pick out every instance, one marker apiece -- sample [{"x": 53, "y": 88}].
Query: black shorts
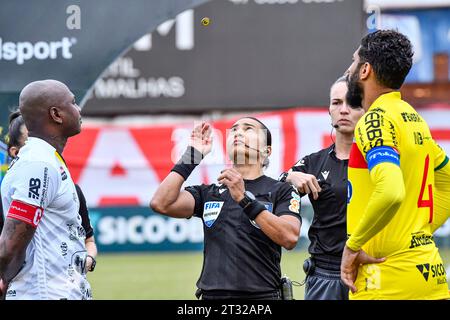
[{"x": 323, "y": 284}]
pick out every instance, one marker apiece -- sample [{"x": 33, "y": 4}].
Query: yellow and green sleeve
[{"x": 441, "y": 194}]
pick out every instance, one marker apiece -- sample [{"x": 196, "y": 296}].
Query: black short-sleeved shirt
[
  {"x": 238, "y": 256},
  {"x": 84, "y": 213},
  {"x": 328, "y": 230}
]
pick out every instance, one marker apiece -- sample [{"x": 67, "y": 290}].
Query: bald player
[{"x": 42, "y": 248}]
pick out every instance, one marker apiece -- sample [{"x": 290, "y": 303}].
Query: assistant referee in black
[
  {"x": 323, "y": 176},
  {"x": 247, "y": 217}
]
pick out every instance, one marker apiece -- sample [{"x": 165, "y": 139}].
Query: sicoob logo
[{"x": 437, "y": 270}]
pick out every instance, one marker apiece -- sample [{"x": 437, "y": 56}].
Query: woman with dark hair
[{"x": 323, "y": 176}]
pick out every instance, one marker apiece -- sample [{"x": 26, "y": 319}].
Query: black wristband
[
  {"x": 253, "y": 209},
  {"x": 189, "y": 160}
]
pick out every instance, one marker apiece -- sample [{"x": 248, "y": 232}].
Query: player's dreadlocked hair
[{"x": 390, "y": 54}]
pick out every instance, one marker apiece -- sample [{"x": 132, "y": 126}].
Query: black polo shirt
[
  {"x": 328, "y": 230},
  {"x": 238, "y": 256}
]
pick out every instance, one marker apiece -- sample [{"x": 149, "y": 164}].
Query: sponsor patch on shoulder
[
  {"x": 211, "y": 210},
  {"x": 294, "y": 205},
  {"x": 295, "y": 195}
]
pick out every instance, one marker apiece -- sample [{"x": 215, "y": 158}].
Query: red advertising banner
[{"x": 123, "y": 165}]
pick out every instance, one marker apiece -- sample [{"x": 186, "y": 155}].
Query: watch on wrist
[
  {"x": 283, "y": 176},
  {"x": 248, "y": 198},
  {"x": 94, "y": 262}
]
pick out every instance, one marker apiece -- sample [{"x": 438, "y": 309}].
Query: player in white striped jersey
[{"x": 42, "y": 249}]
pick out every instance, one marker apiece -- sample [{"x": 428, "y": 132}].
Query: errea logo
[{"x": 41, "y": 50}]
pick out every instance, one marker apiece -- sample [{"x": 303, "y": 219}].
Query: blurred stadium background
[{"x": 273, "y": 58}]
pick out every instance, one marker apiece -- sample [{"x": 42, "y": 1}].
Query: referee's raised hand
[{"x": 201, "y": 138}]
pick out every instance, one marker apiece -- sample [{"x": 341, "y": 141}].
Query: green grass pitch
[{"x": 172, "y": 275}]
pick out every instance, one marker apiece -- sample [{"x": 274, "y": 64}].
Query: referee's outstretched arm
[{"x": 169, "y": 199}]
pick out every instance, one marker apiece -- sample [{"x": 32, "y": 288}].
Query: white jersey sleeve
[{"x": 34, "y": 187}]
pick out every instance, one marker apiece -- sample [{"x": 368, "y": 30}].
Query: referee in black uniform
[
  {"x": 323, "y": 176},
  {"x": 247, "y": 217}
]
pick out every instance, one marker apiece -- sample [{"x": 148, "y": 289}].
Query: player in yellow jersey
[{"x": 399, "y": 182}]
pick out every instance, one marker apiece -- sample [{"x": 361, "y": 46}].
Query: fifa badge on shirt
[{"x": 211, "y": 211}]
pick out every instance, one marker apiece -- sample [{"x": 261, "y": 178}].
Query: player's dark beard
[{"x": 355, "y": 92}]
